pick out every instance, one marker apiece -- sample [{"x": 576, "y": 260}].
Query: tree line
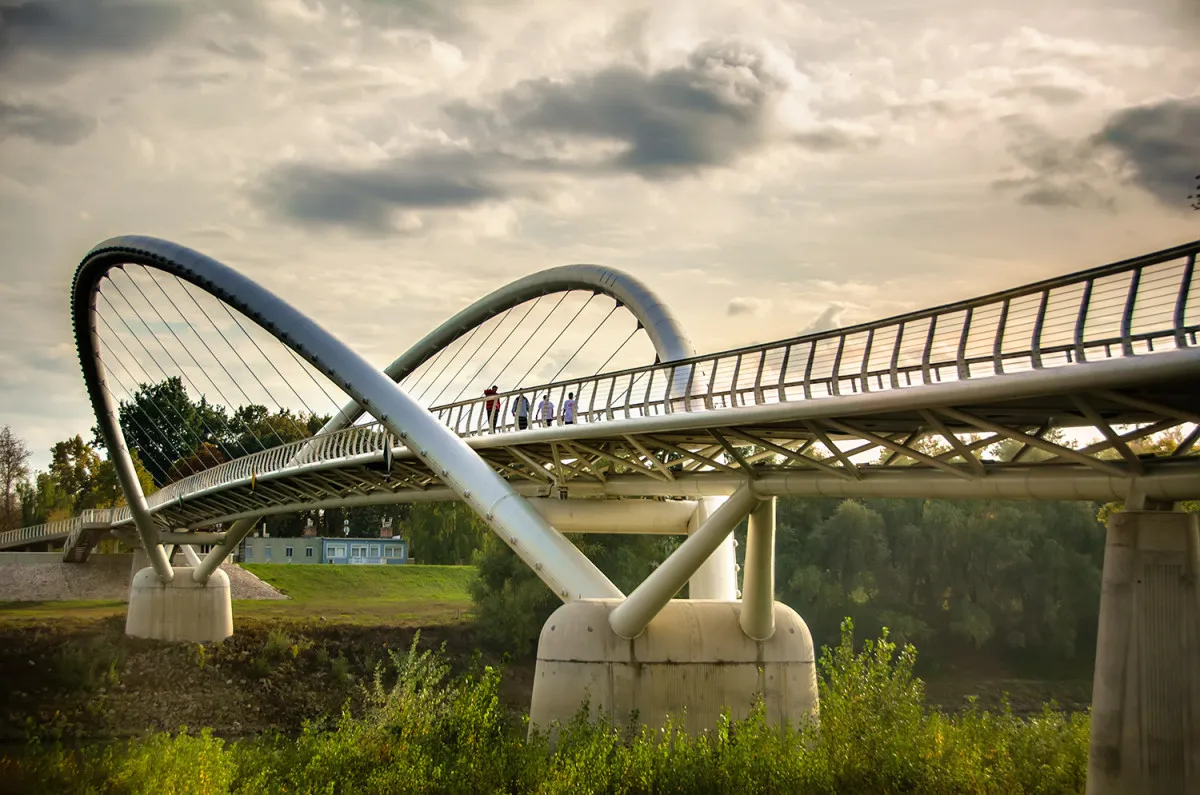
[{"x": 1019, "y": 577}]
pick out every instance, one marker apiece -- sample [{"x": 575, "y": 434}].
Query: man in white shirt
[
  {"x": 568, "y": 407},
  {"x": 545, "y": 411}
]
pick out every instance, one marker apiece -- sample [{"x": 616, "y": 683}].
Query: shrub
[{"x": 427, "y": 732}]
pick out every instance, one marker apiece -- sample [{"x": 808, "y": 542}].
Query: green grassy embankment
[{"x": 363, "y": 594}]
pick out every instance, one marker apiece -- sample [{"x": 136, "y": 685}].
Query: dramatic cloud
[
  {"x": 1154, "y": 146},
  {"x": 718, "y": 106},
  {"x": 71, "y": 29},
  {"x": 45, "y": 125},
  {"x": 1053, "y": 172},
  {"x": 367, "y": 198},
  {"x": 1160, "y": 142}
]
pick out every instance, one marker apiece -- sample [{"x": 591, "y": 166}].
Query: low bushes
[{"x": 427, "y": 732}]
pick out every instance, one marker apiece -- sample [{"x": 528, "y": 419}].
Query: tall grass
[{"x": 426, "y": 732}]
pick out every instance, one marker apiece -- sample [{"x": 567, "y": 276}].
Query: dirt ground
[{"x": 84, "y": 679}]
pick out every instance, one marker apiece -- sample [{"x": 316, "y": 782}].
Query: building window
[
  {"x": 308, "y": 552},
  {"x": 287, "y": 552},
  {"x": 358, "y": 550},
  {"x": 391, "y": 551},
  {"x": 374, "y": 550},
  {"x": 337, "y": 550},
  {"x": 267, "y": 553},
  {"x": 249, "y": 553}
]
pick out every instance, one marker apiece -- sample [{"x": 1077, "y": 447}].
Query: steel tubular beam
[
  {"x": 635, "y": 517},
  {"x": 758, "y": 581},
  {"x": 630, "y": 617},
  {"x": 556, "y": 561}
]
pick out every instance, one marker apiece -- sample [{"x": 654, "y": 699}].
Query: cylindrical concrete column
[
  {"x": 758, "y": 579},
  {"x": 1146, "y": 690},
  {"x": 717, "y": 576}
]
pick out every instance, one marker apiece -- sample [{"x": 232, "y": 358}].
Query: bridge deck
[{"x": 1113, "y": 349}]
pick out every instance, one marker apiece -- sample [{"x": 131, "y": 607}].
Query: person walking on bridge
[
  {"x": 492, "y": 406},
  {"x": 546, "y": 411},
  {"x": 520, "y": 410},
  {"x": 568, "y": 409}
]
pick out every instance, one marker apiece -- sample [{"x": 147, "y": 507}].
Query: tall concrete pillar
[
  {"x": 717, "y": 577},
  {"x": 1146, "y": 693}
]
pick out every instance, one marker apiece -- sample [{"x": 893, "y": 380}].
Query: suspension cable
[
  {"x": 450, "y": 361},
  {"x": 236, "y": 353},
  {"x": 229, "y": 405},
  {"x": 521, "y": 347},
  {"x": 584, "y": 343},
  {"x": 554, "y": 341},
  {"x": 236, "y": 384},
  {"x": 511, "y": 332},
  {"x": 182, "y": 372}
]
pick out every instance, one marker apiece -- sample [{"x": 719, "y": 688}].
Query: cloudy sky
[{"x": 764, "y": 166}]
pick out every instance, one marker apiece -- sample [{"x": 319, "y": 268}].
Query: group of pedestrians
[{"x": 520, "y": 410}]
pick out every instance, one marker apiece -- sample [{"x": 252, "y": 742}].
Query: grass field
[{"x": 363, "y": 595}]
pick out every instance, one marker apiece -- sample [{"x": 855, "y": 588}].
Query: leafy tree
[
  {"x": 164, "y": 425},
  {"x": 512, "y": 603},
  {"x": 14, "y": 468}
]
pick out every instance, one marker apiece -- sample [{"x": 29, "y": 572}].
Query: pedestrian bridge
[
  {"x": 849, "y": 412},
  {"x": 1050, "y": 390}
]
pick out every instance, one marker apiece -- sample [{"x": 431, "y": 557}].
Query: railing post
[
  {"x": 1185, "y": 288},
  {"x": 1127, "y": 315},
  {"x": 964, "y": 370},
  {"x": 1035, "y": 343},
  {"x": 865, "y": 376},
  {"x": 895, "y": 368}
]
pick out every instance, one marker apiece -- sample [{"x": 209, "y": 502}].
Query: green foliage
[
  {"x": 1013, "y": 577},
  {"x": 511, "y": 603},
  {"x": 426, "y": 732}
]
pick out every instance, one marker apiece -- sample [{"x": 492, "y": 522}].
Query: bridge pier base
[
  {"x": 692, "y": 661},
  {"x": 182, "y": 609},
  {"x": 1146, "y": 692}
]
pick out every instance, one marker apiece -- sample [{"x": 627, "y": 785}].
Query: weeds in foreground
[{"x": 426, "y": 732}]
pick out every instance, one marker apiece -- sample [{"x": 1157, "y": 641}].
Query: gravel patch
[{"x": 102, "y": 577}]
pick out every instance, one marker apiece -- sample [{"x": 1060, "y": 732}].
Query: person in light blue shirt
[
  {"x": 546, "y": 411},
  {"x": 568, "y": 409}
]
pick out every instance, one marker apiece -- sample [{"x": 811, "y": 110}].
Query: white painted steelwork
[
  {"x": 758, "y": 584},
  {"x": 566, "y": 570},
  {"x": 1130, "y": 323},
  {"x": 665, "y": 333},
  {"x": 630, "y": 517},
  {"x": 629, "y": 618}
]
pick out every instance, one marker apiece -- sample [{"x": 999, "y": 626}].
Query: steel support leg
[
  {"x": 758, "y": 583},
  {"x": 233, "y": 536},
  {"x": 631, "y": 617}
]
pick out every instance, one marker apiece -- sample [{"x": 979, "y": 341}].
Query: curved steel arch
[
  {"x": 559, "y": 563},
  {"x": 665, "y": 332}
]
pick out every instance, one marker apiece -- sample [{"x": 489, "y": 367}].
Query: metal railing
[
  {"x": 63, "y": 528},
  {"x": 1130, "y": 308}
]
